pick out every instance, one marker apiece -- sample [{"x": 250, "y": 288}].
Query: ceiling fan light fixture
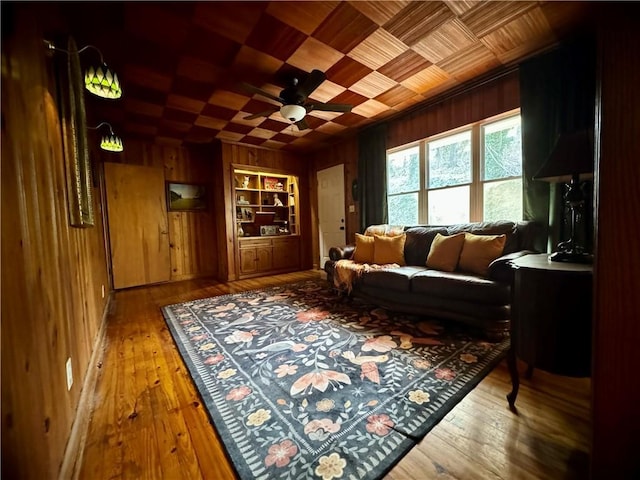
[{"x": 293, "y": 113}]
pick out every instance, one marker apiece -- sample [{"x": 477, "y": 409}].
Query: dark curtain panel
[
  {"x": 557, "y": 95},
  {"x": 372, "y": 176}
]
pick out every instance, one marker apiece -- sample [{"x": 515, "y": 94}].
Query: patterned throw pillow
[
  {"x": 479, "y": 251},
  {"x": 389, "y": 249},
  {"x": 445, "y": 252},
  {"x": 364, "y": 249}
]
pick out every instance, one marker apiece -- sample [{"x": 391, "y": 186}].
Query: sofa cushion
[
  {"x": 458, "y": 285},
  {"x": 397, "y": 279},
  {"x": 418, "y": 243},
  {"x": 388, "y": 249},
  {"x": 445, "y": 252},
  {"x": 364, "y": 249},
  {"x": 478, "y": 251}
]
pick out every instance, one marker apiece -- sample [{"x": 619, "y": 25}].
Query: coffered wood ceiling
[{"x": 181, "y": 63}]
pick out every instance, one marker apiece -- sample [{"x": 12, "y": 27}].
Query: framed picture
[
  {"x": 74, "y": 140},
  {"x": 186, "y": 197},
  {"x": 271, "y": 183},
  {"x": 247, "y": 214}
]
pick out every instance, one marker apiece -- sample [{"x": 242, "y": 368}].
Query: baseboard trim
[{"x": 73, "y": 454}]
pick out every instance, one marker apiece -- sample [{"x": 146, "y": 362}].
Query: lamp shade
[
  {"x": 571, "y": 155},
  {"x": 112, "y": 143},
  {"x": 101, "y": 81},
  {"x": 293, "y": 113}
]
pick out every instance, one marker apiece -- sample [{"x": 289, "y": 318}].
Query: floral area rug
[{"x": 301, "y": 383}]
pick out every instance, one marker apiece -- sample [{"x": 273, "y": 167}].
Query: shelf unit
[
  {"x": 256, "y": 193},
  {"x": 276, "y": 246}
]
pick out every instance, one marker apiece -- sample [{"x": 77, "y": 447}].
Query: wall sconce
[
  {"x": 98, "y": 79},
  {"x": 111, "y": 142}
]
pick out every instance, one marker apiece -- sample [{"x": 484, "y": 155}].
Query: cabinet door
[
  {"x": 286, "y": 253},
  {"x": 248, "y": 260},
  {"x": 264, "y": 258}
]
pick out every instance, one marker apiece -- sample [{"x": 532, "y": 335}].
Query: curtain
[
  {"x": 557, "y": 95},
  {"x": 372, "y": 176}
]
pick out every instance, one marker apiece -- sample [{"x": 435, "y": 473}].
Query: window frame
[{"x": 476, "y": 186}]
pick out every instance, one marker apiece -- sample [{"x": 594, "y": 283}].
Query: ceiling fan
[{"x": 294, "y": 100}]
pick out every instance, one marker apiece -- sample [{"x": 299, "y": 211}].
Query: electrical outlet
[
  {"x": 69, "y": 374},
  {"x": 102, "y": 291},
  {"x": 352, "y": 209}
]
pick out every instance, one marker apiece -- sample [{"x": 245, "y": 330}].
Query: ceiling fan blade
[
  {"x": 302, "y": 124},
  {"x": 266, "y": 113},
  {"x": 259, "y": 91},
  {"x": 313, "y": 81},
  {"x": 329, "y": 107}
]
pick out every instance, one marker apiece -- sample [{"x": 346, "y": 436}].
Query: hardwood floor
[{"x": 147, "y": 420}]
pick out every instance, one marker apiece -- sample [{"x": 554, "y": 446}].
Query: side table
[{"x": 550, "y": 318}]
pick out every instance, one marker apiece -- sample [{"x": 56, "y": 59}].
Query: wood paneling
[
  {"x": 488, "y": 99},
  {"x": 264, "y": 159},
  {"x": 52, "y": 274},
  {"x": 192, "y": 235},
  {"x": 616, "y": 390}
]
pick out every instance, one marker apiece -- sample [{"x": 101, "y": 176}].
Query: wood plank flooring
[{"x": 147, "y": 420}]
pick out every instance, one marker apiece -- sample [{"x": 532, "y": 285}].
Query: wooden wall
[
  {"x": 52, "y": 274},
  {"x": 456, "y": 109},
  {"x": 192, "y": 235},
  {"x": 616, "y": 388},
  {"x": 293, "y": 164}
]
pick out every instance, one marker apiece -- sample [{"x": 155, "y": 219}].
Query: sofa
[{"x": 478, "y": 297}]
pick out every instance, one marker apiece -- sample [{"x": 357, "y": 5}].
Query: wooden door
[
  {"x": 138, "y": 227},
  {"x": 330, "y": 210}
]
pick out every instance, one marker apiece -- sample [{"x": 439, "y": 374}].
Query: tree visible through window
[
  {"x": 450, "y": 191},
  {"x": 403, "y": 185}
]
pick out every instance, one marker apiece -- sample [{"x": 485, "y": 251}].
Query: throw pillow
[
  {"x": 445, "y": 251},
  {"x": 479, "y": 251},
  {"x": 389, "y": 249},
  {"x": 364, "y": 249}
]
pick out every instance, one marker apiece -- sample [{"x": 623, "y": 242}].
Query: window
[
  {"x": 502, "y": 170},
  {"x": 403, "y": 186},
  {"x": 470, "y": 174},
  {"x": 449, "y": 166}
]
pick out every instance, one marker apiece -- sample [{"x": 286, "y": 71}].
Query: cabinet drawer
[{"x": 253, "y": 242}]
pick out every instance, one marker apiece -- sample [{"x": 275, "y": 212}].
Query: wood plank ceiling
[{"x": 181, "y": 64}]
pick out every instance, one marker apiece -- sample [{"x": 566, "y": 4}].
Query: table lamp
[{"x": 570, "y": 162}]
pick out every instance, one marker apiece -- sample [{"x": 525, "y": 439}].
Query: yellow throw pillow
[
  {"x": 364, "y": 249},
  {"x": 445, "y": 251},
  {"x": 389, "y": 249},
  {"x": 479, "y": 251}
]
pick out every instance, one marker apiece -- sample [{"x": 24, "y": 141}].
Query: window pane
[
  {"x": 403, "y": 209},
  {"x": 449, "y": 205},
  {"x": 403, "y": 171},
  {"x": 502, "y": 149},
  {"x": 450, "y": 160},
  {"x": 503, "y": 200}
]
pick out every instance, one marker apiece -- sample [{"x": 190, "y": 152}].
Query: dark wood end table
[{"x": 550, "y": 318}]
